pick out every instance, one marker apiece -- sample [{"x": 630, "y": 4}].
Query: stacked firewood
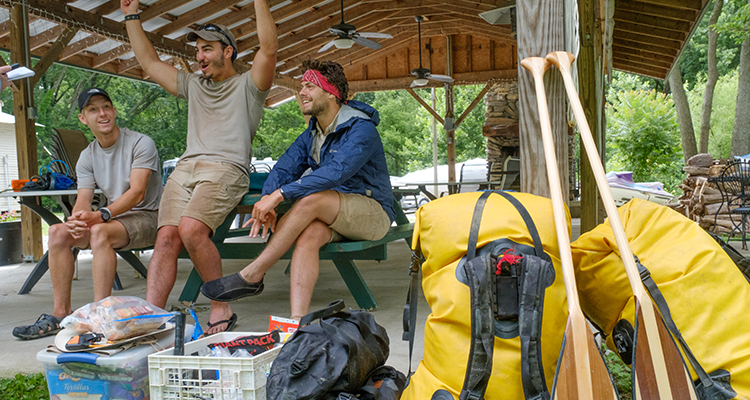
[
  {"x": 501, "y": 125},
  {"x": 701, "y": 200}
]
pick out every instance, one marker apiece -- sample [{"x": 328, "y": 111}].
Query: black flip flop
[{"x": 230, "y": 323}]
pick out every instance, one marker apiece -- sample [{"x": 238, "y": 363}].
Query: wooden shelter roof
[{"x": 648, "y": 36}]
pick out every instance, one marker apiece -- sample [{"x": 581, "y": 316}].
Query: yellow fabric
[
  {"x": 708, "y": 296},
  {"x": 442, "y": 232}
]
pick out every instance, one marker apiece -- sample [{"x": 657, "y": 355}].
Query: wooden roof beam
[
  {"x": 106, "y": 57},
  {"x": 81, "y": 45},
  {"x": 651, "y": 21},
  {"x": 650, "y": 31},
  {"x": 195, "y": 15},
  {"x": 279, "y": 14},
  {"x": 618, "y": 49},
  {"x": 322, "y": 14},
  {"x": 646, "y": 62},
  {"x": 638, "y": 7},
  {"x": 402, "y": 83},
  {"x": 105, "y": 26},
  {"x": 50, "y": 55},
  {"x": 651, "y": 72},
  {"x": 106, "y": 8},
  {"x": 655, "y": 49},
  {"x": 694, "y": 5},
  {"x": 277, "y": 95},
  {"x": 637, "y": 37},
  {"x": 48, "y": 36}
]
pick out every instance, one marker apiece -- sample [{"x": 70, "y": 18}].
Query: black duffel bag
[{"x": 335, "y": 355}]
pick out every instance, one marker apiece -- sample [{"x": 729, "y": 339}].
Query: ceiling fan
[
  {"x": 346, "y": 35},
  {"x": 423, "y": 74}
]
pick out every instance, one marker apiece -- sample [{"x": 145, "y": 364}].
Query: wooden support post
[
  {"x": 425, "y": 105},
  {"x": 23, "y": 108},
  {"x": 450, "y": 126},
  {"x": 450, "y": 135},
  {"x": 540, "y": 31},
  {"x": 591, "y": 93},
  {"x": 474, "y": 103}
]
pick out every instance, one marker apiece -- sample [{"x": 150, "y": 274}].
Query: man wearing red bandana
[{"x": 346, "y": 195}]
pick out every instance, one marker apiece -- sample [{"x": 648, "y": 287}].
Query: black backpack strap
[
  {"x": 412, "y": 301},
  {"x": 538, "y": 249},
  {"x": 666, "y": 315},
  {"x": 332, "y": 308},
  {"x": 534, "y": 275},
  {"x": 476, "y": 219},
  {"x": 479, "y": 367}
]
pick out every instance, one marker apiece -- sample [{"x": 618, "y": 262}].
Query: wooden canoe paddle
[
  {"x": 659, "y": 372},
  {"x": 582, "y": 373}
]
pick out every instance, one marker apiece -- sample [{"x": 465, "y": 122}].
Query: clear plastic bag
[{"x": 118, "y": 317}]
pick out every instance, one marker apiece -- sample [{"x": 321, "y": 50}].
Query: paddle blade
[
  {"x": 658, "y": 370},
  {"x": 596, "y": 383}
]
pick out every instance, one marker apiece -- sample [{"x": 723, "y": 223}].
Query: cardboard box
[
  {"x": 84, "y": 375},
  {"x": 285, "y": 325}
]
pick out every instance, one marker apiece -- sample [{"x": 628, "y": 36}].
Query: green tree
[
  {"x": 643, "y": 137},
  {"x": 723, "y": 112}
]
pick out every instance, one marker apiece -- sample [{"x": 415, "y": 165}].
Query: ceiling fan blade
[
  {"x": 413, "y": 84},
  {"x": 326, "y": 47},
  {"x": 366, "y": 42},
  {"x": 375, "y": 35},
  {"x": 339, "y": 32},
  {"x": 439, "y": 78}
]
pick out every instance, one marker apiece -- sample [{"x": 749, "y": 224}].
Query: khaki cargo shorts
[
  {"x": 141, "y": 226},
  {"x": 203, "y": 190},
  {"x": 359, "y": 218}
]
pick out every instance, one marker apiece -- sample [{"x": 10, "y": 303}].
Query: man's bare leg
[
  {"x": 62, "y": 266},
  {"x": 105, "y": 238},
  {"x": 305, "y": 266},
  {"x": 322, "y": 206},
  {"x": 162, "y": 270},
  {"x": 197, "y": 239}
]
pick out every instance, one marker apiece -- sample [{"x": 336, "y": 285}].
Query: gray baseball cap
[
  {"x": 214, "y": 33},
  {"x": 85, "y": 96}
]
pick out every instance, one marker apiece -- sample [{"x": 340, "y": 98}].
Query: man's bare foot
[{"x": 222, "y": 319}]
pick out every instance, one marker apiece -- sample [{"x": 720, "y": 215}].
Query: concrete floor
[{"x": 388, "y": 280}]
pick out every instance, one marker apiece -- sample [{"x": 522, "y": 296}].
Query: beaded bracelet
[{"x": 132, "y": 17}]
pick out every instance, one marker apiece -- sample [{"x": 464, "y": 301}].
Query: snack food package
[{"x": 117, "y": 317}]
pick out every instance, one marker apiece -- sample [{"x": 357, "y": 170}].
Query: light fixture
[
  {"x": 421, "y": 81},
  {"x": 505, "y": 15},
  {"x": 343, "y": 43}
]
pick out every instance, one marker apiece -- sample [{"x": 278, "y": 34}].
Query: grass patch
[
  {"x": 620, "y": 373},
  {"x": 24, "y": 387}
]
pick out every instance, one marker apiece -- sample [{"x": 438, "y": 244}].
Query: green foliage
[
  {"x": 24, "y": 387},
  {"x": 405, "y": 127},
  {"x": 643, "y": 136},
  {"x": 722, "y": 113},
  {"x": 694, "y": 59},
  {"x": 621, "y": 374},
  {"x": 277, "y": 130},
  {"x": 737, "y": 22}
]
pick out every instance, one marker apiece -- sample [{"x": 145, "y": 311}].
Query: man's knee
[
  {"x": 318, "y": 199},
  {"x": 314, "y": 236},
  {"x": 59, "y": 236},
  {"x": 100, "y": 236},
  {"x": 191, "y": 231},
  {"x": 168, "y": 237}
]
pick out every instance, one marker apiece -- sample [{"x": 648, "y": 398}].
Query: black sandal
[{"x": 45, "y": 325}]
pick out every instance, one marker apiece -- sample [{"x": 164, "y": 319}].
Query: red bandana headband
[{"x": 317, "y": 79}]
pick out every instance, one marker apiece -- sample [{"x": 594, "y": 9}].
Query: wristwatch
[
  {"x": 281, "y": 192},
  {"x": 106, "y": 214}
]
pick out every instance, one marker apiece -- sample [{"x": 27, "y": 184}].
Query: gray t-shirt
[
  {"x": 222, "y": 117},
  {"x": 109, "y": 168}
]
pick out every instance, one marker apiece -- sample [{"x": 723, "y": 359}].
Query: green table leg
[
  {"x": 356, "y": 284},
  {"x": 192, "y": 287}
]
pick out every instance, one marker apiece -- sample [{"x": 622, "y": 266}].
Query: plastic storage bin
[
  {"x": 83, "y": 375},
  {"x": 197, "y": 375}
]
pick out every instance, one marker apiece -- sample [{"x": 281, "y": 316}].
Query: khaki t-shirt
[
  {"x": 109, "y": 168},
  {"x": 222, "y": 117}
]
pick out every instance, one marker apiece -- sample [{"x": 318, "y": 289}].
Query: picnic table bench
[{"x": 343, "y": 254}]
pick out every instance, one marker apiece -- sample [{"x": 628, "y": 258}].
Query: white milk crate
[{"x": 203, "y": 377}]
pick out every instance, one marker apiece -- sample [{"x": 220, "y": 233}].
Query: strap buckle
[{"x": 416, "y": 257}]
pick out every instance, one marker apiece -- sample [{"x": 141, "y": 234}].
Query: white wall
[{"x": 8, "y": 147}]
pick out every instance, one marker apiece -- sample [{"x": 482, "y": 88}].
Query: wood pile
[
  {"x": 701, "y": 200},
  {"x": 501, "y": 125}
]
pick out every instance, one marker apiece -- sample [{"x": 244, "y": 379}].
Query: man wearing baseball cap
[
  {"x": 347, "y": 195},
  {"x": 124, "y": 164},
  {"x": 224, "y": 110}
]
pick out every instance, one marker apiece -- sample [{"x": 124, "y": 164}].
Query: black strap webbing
[
  {"x": 531, "y": 308},
  {"x": 538, "y": 249},
  {"x": 666, "y": 315},
  {"x": 476, "y": 220}
]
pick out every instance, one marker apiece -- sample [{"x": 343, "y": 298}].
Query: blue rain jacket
[{"x": 352, "y": 160}]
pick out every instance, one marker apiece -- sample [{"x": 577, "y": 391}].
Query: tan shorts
[
  {"x": 203, "y": 190},
  {"x": 359, "y": 218},
  {"x": 141, "y": 226}
]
